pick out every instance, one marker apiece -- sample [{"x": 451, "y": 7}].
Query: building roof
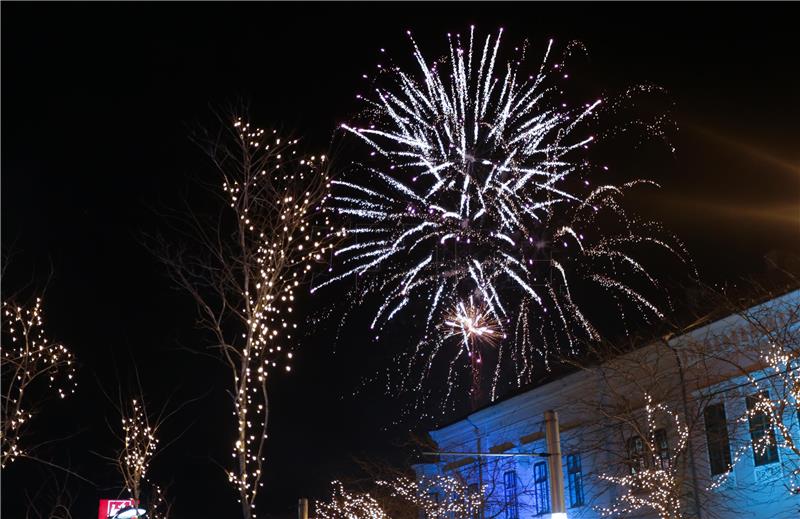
[{"x": 521, "y": 400}]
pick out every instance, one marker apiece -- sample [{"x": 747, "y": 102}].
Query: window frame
[
  {"x": 635, "y": 451},
  {"x": 577, "y": 497},
  {"x": 510, "y": 494},
  {"x": 662, "y": 455},
  {"x": 718, "y": 441},
  {"x": 761, "y": 424},
  {"x": 541, "y": 489}
]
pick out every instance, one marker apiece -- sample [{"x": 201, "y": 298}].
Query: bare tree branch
[{"x": 243, "y": 268}]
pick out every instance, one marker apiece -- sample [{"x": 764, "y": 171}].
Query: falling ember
[{"x": 476, "y": 183}]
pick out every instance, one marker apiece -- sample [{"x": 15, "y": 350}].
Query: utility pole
[
  {"x": 302, "y": 508},
  {"x": 481, "y": 510},
  {"x": 554, "y": 465}
]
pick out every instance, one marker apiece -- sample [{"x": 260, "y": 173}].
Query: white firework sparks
[
  {"x": 472, "y": 324},
  {"x": 479, "y": 186}
]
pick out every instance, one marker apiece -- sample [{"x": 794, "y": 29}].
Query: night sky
[{"x": 98, "y": 102}]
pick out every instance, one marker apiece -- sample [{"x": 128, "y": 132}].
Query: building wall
[{"x": 673, "y": 372}]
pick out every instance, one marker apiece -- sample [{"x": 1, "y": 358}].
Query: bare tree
[
  {"x": 654, "y": 483},
  {"x": 54, "y": 499},
  {"x": 437, "y": 497},
  {"x": 465, "y": 488},
  {"x": 641, "y": 426},
  {"x": 159, "y": 503},
  {"x": 763, "y": 357},
  {"x": 348, "y": 504},
  {"x": 138, "y": 446},
  {"x": 657, "y": 408},
  {"x": 137, "y": 438},
  {"x": 34, "y": 368},
  {"x": 243, "y": 269}
]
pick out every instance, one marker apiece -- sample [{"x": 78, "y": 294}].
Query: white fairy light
[
  {"x": 457, "y": 500},
  {"x": 652, "y": 487},
  {"x": 31, "y": 365},
  {"x": 279, "y": 202}
]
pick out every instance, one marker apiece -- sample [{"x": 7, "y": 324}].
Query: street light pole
[
  {"x": 552, "y": 435},
  {"x": 302, "y": 508}
]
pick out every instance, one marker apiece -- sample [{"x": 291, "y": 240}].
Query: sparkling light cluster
[
  {"x": 454, "y": 501},
  {"x": 780, "y": 401},
  {"x": 345, "y": 504},
  {"x": 653, "y": 488},
  {"x": 776, "y": 397},
  {"x": 478, "y": 187},
  {"x": 158, "y": 506},
  {"x": 32, "y": 365},
  {"x": 138, "y": 448}
]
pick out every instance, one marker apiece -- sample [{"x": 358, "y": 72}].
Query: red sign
[{"x": 109, "y": 507}]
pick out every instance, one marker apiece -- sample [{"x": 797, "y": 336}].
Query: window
[
  {"x": 765, "y": 448},
  {"x": 541, "y": 492},
  {"x": 661, "y": 447},
  {"x": 575, "y": 480},
  {"x": 719, "y": 447},
  {"x": 636, "y": 458},
  {"x": 510, "y": 485}
]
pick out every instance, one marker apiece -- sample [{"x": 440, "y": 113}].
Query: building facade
[{"x": 670, "y": 429}]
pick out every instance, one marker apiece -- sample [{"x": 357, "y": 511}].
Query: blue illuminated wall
[{"x": 716, "y": 403}]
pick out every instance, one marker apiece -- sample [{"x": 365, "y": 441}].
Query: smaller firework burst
[{"x": 473, "y": 322}]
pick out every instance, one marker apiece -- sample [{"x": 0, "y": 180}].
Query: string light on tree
[
  {"x": 32, "y": 368},
  {"x": 246, "y": 278},
  {"x": 348, "y": 505},
  {"x": 773, "y": 337},
  {"x": 457, "y": 501},
  {"x": 139, "y": 445},
  {"x": 654, "y": 484}
]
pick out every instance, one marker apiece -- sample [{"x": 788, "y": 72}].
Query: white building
[{"x": 699, "y": 389}]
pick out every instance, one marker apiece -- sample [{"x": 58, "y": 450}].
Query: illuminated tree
[
  {"x": 455, "y": 499},
  {"x": 139, "y": 445},
  {"x": 668, "y": 419},
  {"x": 244, "y": 267},
  {"x": 137, "y": 437},
  {"x": 642, "y": 426},
  {"x": 33, "y": 369},
  {"x": 475, "y": 488},
  {"x": 764, "y": 351},
  {"x": 345, "y": 504},
  {"x": 438, "y": 497},
  {"x": 653, "y": 484}
]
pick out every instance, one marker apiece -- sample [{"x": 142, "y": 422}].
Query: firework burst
[
  {"x": 479, "y": 187},
  {"x": 472, "y": 323},
  {"x": 475, "y": 327}
]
